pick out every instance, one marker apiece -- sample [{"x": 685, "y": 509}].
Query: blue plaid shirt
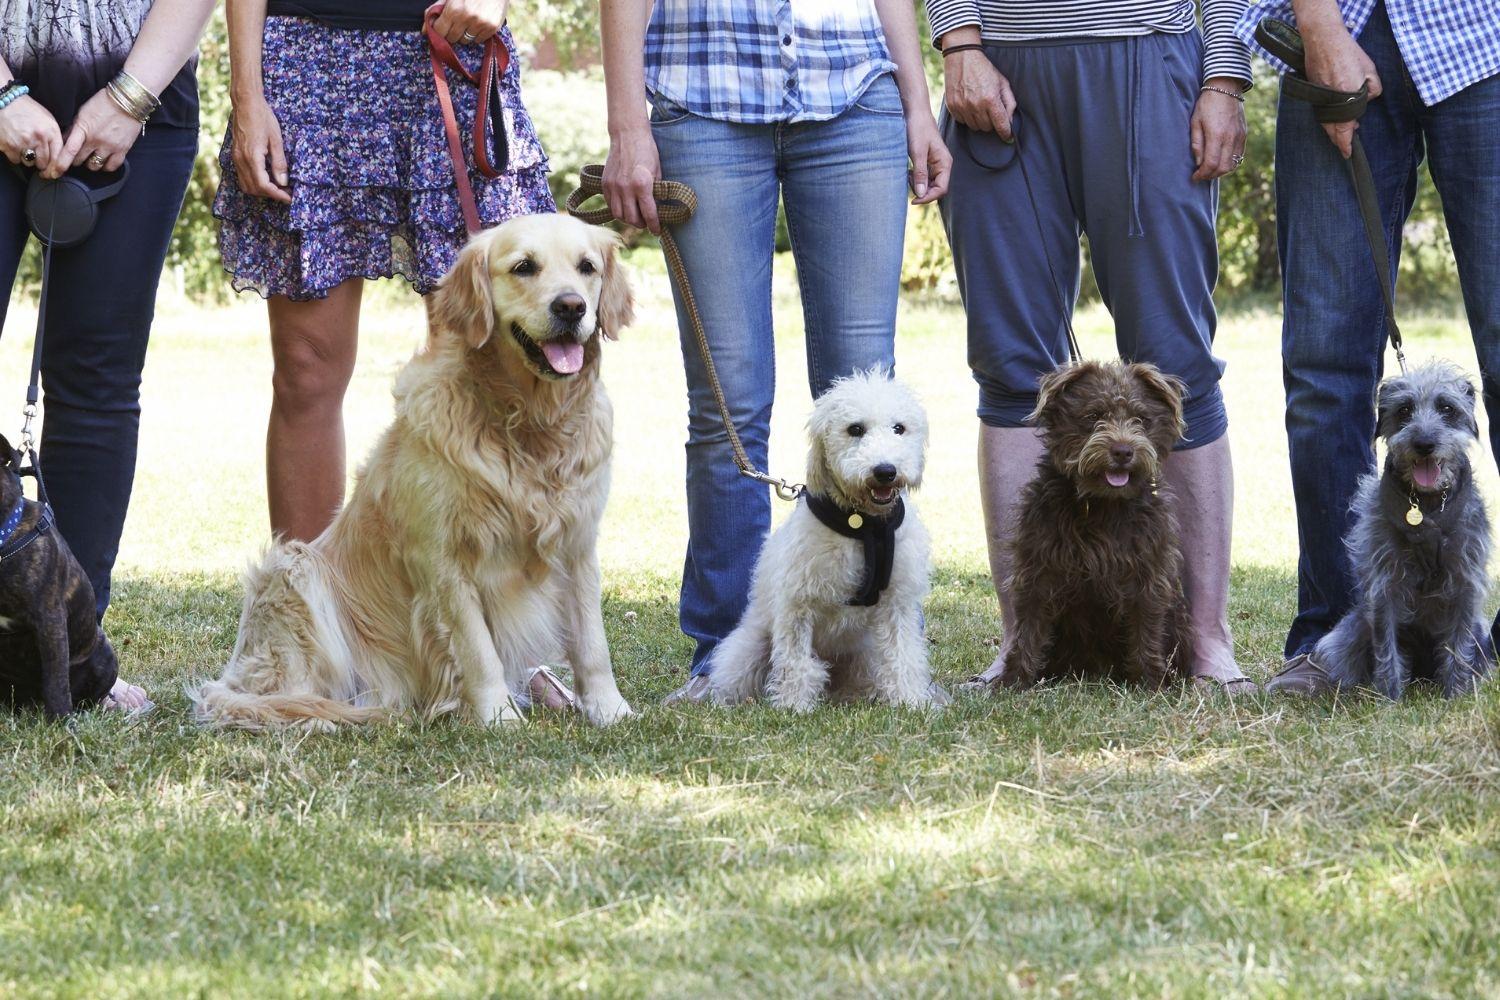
[
  {"x": 759, "y": 61},
  {"x": 1446, "y": 44}
]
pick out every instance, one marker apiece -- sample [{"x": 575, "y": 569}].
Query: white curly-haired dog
[{"x": 836, "y": 601}]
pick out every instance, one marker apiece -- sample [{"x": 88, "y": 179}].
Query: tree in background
[{"x": 568, "y": 108}]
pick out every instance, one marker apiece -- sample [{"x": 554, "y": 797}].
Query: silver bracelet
[{"x": 1221, "y": 90}]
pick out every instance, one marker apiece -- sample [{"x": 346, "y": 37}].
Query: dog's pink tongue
[
  {"x": 1117, "y": 477},
  {"x": 565, "y": 356},
  {"x": 1426, "y": 471}
]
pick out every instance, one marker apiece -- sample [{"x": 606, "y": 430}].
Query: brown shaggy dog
[
  {"x": 465, "y": 555},
  {"x": 1098, "y": 563}
]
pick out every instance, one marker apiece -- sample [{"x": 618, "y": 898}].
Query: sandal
[{"x": 548, "y": 691}]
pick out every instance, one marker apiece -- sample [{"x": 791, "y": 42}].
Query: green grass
[{"x": 1080, "y": 841}]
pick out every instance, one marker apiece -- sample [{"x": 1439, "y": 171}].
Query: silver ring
[
  {"x": 28, "y": 157},
  {"x": 469, "y": 37},
  {"x": 1239, "y": 158}
]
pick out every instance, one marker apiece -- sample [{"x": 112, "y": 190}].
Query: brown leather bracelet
[{"x": 965, "y": 47}]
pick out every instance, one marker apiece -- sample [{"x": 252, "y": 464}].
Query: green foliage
[{"x": 569, "y": 111}]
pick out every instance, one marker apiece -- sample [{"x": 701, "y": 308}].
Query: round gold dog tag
[
  {"x": 1414, "y": 516},
  {"x": 855, "y": 521}
]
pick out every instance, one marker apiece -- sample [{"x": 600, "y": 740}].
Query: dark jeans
[
  {"x": 1333, "y": 334},
  {"x": 99, "y": 313}
]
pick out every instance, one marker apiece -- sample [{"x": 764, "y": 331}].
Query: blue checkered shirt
[
  {"x": 1446, "y": 44},
  {"x": 760, "y": 61}
]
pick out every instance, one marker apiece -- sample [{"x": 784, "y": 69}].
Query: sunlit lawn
[{"x": 1072, "y": 842}]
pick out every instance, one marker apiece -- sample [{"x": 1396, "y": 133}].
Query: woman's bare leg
[{"x": 314, "y": 345}]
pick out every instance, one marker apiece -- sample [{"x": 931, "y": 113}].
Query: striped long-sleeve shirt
[{"x": 1022, "y": 20}]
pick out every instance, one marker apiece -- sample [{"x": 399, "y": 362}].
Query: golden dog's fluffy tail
[{"x": 217, "y": 704}]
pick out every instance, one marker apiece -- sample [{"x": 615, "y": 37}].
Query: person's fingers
[
  {"x": 646, "y": 202},
  {"x": 1197, "y": 143},
  {"x": 1372, "y": 80},
  {"x": 72, "y": 151},
  {"x": 919, "y": 174},
  {"x": 114, "y": 161},
  {"x": 280, "y": 173},
  {"x": 1342, "y": 134},
  {"x": 260, "y": 179},
  {"x": 446, "y": 23},
  {"x": 939, "y": 166}
]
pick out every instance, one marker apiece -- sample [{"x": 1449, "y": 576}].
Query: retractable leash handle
[
  {"x": 1329, "y": 107},
  {"x": 675, "y": 204},
  {"x": 61, "y": 213}
]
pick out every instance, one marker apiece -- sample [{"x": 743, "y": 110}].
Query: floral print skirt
[{"x": 371, "y": 179}]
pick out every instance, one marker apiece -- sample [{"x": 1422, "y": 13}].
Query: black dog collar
[{"x": 877, "y": 534}]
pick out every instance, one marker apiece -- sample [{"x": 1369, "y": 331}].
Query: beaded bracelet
[
  {"x": 1221, "y": 90},
  {"x": 12, "y": 93}
]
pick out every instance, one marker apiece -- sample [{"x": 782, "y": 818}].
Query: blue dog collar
[{"x": 13, "y": 522}]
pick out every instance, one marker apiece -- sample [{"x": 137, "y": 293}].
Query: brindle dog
[
  {"x": 1098, "y": 562},
  {"x": 52, "y": 650}
]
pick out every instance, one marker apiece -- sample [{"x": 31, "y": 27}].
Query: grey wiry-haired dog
[{"x": 1420, "y": 546}]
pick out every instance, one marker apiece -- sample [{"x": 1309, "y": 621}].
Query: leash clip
[{"x": 28, "y": 443}]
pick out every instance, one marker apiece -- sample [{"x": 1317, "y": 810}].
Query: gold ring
[
  {"x": 96, "y": 161},
  {"x": 28, "y": 157}
]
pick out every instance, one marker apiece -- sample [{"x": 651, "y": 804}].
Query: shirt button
[
  {"x": 786, "y": 39},
  {"x": 791, "y": 84}
]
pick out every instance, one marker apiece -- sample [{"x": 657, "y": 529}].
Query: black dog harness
[
  {"x": 877, "y": 534},
  {"x": 10, "y": 542}
]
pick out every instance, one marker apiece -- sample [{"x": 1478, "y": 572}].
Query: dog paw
[{"x": 607, "y": 711}]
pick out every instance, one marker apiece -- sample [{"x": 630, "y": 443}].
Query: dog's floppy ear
[
  {"x": 465, "y": 299},
  {"x": 616, "y": 299},
  {"x": 1471, "y": 421},
  {"x": 1052, "y": 387},
  {"x": 1389, "y": 395},
  {"x": 1167, "y": 389}
]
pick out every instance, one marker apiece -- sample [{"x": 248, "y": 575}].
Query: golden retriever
[{"x": 466, "y": 553}]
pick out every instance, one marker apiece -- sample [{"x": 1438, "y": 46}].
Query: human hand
[
  {"x": 471, "y": 22},
  {"x": 1218, "y": 130},
  {"x": 100, "y": 136},
  {"x": 259, "y": 157},
  {"x": 930, "y": 160},
  {"x": 632, "y": 168},
  {"x": 977, "y": 94},
  {"x": 26, "y": 125},
  {"x": 1335, "y": 60}
]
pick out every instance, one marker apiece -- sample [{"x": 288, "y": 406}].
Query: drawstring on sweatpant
[{"x": 1133, "y": 155}]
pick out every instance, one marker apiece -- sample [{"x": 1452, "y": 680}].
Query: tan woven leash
[{"x": 675, "y": 204}]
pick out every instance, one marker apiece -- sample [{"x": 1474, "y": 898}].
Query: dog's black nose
[
  {"x": 884, "y": 473},
  {"x": 1423, "y": 447},
  {"x": 1121, "y": 453},
  {"x": 569, "y": 307}
]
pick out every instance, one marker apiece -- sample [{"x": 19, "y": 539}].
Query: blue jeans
[
  {"x": 99, "y": 314},
  {"x": 844, "y": 185},
  {"x": 1333, "y": 333}
]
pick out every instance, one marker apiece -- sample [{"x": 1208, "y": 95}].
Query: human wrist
[{"x": 967, "y": 35}]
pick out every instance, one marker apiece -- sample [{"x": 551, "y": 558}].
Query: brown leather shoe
[
  {"x": 1301, "y": 676},
  {"x": 695, "y": 692}
]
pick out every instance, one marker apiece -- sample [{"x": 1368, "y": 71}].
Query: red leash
[{"x": 491, "y": 70}]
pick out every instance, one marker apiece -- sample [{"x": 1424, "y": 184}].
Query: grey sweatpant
[{"x": 1105, "y": 126}]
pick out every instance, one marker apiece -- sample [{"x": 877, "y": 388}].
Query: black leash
[
  {"x": 1075, "y": 354},
  {"x": 1330, "y": 107}
]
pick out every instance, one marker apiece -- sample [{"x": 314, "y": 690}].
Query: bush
[{"x": 569, "y": 112}]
